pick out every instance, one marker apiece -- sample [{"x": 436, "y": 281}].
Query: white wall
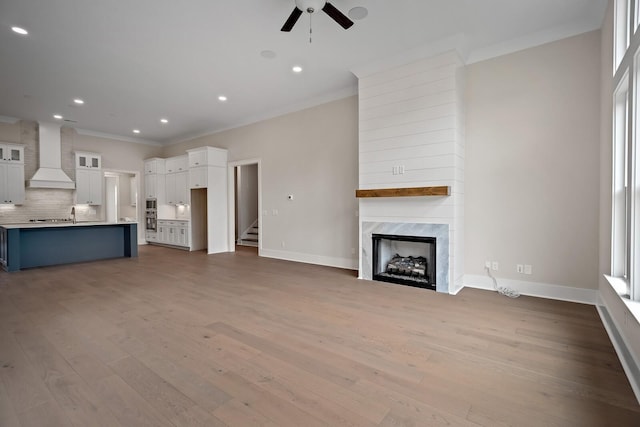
[
  {"x": 532, "y": 162},
  {"x": 311, "y": 154}
]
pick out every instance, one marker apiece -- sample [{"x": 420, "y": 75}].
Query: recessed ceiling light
[
  {"x": 20, "y": 31},
  {"x": 358, "y": 13},
  {"x": 136, "y": 131},
  {"x": 269, "y": 54},
  {"x": 165, "y": 121},
  {"x": 57, "y": 116},
  {"x": 296, "y": 69},
  {"x": 222, "y": 98},
  {"x": 78, "y": 101}
]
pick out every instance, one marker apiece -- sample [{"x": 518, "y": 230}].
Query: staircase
[{"x": 249, "y": 237}]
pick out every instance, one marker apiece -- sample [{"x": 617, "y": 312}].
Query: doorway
[
  {"x": 121, "y": 196},
  {"x": 245, "y": 204}
]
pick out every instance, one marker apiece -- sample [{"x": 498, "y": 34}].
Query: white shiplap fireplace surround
[{"x": 412, "y": 135}]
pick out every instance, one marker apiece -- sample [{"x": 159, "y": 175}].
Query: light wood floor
[{"x": 184, "y": 339}]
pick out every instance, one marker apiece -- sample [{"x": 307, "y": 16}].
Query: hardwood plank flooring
[{"x": 173, "y": 338}]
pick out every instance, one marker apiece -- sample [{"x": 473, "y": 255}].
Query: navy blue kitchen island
[{"x": 38, "y": 245}]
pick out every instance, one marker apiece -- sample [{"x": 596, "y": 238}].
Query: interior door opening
[
  {"x": 246, "y": 189},
  {"x": 121, "y": 196}
]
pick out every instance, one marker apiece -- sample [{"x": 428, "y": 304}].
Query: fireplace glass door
[{"x": 405, "y": 260}]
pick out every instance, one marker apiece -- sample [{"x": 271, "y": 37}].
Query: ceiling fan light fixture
[{"x": 310, "y": 6}]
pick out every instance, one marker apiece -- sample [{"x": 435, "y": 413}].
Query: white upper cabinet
[
  {"x": 11, "y": 183},
  {"x": 11, "y": 173},
  {"x": 177, "y": 164},
  {"x": 88, "y": 160},
  {"x": 177, "y": 189},
  {"x": 207, "y": 156},
  {"x": 12, "y": 153},
  {"x": 198, "y": 177},
  {"x": 154, "y": 166},
  {"x": 88, "y": 186}
]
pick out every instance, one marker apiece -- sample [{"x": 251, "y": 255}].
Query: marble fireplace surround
[{"x": 439, "y": 231}]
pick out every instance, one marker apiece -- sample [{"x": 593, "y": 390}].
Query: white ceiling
[{"x": 134, "y": 62}]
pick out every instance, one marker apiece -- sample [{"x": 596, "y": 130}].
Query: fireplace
[
  {"x": 439, "y": 268},
  {"x": 404, "y": 260}
]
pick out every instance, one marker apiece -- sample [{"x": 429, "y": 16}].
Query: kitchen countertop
[{"x": 63, "y": 224}]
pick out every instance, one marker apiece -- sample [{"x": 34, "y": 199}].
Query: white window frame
[{"x": 625, "y": 224}]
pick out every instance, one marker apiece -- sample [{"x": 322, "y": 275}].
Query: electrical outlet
[
  {"x": 528, "y": 269},
  {"x": 487, "y": 264},
  {"x": 495, "y": 266},
  {"x": 282, "y": 243},
  {"x": 520, "y": 268}
]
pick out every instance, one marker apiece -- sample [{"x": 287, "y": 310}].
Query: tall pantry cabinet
[{"x": 208, "y": 183}]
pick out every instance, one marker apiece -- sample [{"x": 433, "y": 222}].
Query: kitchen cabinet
[
  {"x": 177, "y": 188},
  {"x": 200, "y": 162},
  {"x": 88, "y": 160},
  {"x": 13, "y": 153},
  {"x": 11, "y": 174},
  {"x": 176, "y": 164},
  {"x": 88, "y": 186},
  {"x": 154, "y": 186},
  {"x": 88, "y": 178},
  {"x": 172, "y": 232},
  {"x": 154, "y": 165},
  {"x": 198, "y": 177},
  {"x": 207, "y": 156},
  {"x": 11, "y": 183},
  {"x": 154, "y": 180}
]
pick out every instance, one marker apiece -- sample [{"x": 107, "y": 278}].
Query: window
[
  {"x": 621, "y": 30},
  {"x": 625, "y": 226},
  {"x": 620, "y": 228}
]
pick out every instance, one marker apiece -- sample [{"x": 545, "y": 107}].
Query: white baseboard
[
  {"x": 457, "y": 287},
  {"x": 629, "y": 364},
  {"x": 346, "y": 263},
  {"x": 534, "y": 289}
]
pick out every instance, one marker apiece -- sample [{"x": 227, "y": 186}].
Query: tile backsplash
[{"x": 47, "y": 204}]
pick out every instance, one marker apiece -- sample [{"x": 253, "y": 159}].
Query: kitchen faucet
[{"x": 73, "y": 214}]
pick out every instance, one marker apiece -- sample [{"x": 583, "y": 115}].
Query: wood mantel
[{"x": 442, "y": 190}]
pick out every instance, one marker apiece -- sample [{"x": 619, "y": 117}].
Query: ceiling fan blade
[
  {"x": 291, "y": 21},
  {"x": 337, "y": 16}
]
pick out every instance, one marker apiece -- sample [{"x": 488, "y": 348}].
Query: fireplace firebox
[{"x": 404, "y": 260}]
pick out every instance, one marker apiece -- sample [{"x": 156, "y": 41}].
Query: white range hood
[{"x": 50, "y": 173}]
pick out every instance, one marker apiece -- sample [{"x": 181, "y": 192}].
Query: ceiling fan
[{"x": 311, "y": 6}]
